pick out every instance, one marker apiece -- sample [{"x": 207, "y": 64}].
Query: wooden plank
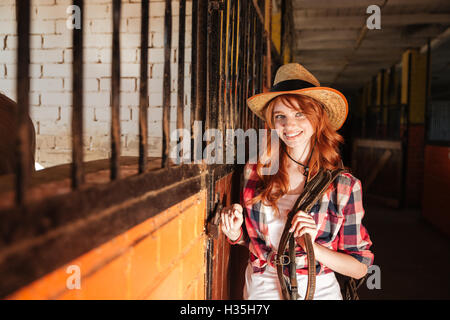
[
  {"x": 352, "y": 22},
  {"x": 54, "y": 231},
  {"x": 324, "y": 35},
  {"x": 58, "y": 246},
  {"x": 379, "y": 144},
  {"x": 326, "y": 4}
]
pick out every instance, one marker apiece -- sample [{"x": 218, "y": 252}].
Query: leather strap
[{"x": 312, "y": 192}]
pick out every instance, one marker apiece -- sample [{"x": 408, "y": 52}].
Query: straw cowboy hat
[{"x": 293, "y": 78}]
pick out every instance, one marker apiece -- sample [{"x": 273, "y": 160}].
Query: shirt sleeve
[
  {"x": 244, "y": 239},
  {"x": 353, "y": 236}
]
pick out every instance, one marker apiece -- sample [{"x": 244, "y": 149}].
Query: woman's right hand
[{"x": 231, "y": 221}]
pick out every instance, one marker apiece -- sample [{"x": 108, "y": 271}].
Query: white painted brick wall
[{"x": 51, "y": 69}]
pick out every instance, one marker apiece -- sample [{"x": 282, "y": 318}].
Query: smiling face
[{"x": 292, "y": 125}]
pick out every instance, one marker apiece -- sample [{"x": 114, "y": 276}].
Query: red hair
[{"x": 325, "y": 153}]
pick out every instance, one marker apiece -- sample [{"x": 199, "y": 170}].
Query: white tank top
[{"x": 275, "y": 223}]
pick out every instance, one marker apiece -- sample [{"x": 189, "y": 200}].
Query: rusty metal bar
[
  {"x": 115, "y": 93},
  {"x": 222, "y": 84},
  {"x": 23, "y": 88},
  {"x": 245, "y": 79},
  {"x": 259, "y": 14},
  {"x": 235, "y": 65},
  {"x": 228, "y": 67},
  {"x": 77, "y": 102},
  {"x": 231, "y": 62},
  {"x": 193, "y": 73},
  {"x": 166, "y": 84},
  {"x": 252, "y": 62},
  {"x": 180, "y": 80},
  {"x": 143, "y": 89},
  {"x": 202, "y": 11},
  {"x": 268, "y": 33},
  {"x": 260, "y": 62},
  {"x": 212, "y": 64}
]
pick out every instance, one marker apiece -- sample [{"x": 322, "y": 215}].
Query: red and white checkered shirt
[{"x": 338, "y": 216}]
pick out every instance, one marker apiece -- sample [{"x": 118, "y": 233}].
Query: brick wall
[
  {"x": 415, "y": 166},
  {"x": 50, "y": 73},
  {"x": 436, "y": 186}
]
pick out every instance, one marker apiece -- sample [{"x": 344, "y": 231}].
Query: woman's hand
[
  {"x": 231, "y": 221},
  {"x": 303, "y": 223}
]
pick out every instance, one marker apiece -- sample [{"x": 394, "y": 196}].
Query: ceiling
[{"x": 333, "y": 42}]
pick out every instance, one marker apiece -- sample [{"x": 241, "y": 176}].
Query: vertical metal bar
[
  {"x": 212, "y": 65},
  {"x": 268, "y": 33},
  {"x": 239, "y": 84},
  {"x": 259, "y": 62},
  {"x": 115, "y": 91},
  {"x": 180, "y": 80},
  {"x": 193, "y": 112},
  {"x": 284, "y": 20},
  {"x": 143, "y": 89},
  {"x": 23, "y": 88},
  {"x": 223, "y": 54},
  {"x": 405, "y": 135},
  {"x": 235, "y": 69},
  {"x": 166, "y": 84},
  {"x": 232, "y": 68},
  {"x": 246, "y": 49},
  {"x": 253, "y": 63},
  {"x": 77, "y": 102},
  {"x": 202, "y": 11},
  {"x": 427, "y": 94}
]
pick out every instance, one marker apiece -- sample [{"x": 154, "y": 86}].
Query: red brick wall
[
  {"x": 415, "y": 165},
  {"x": 436, "y": 187}
]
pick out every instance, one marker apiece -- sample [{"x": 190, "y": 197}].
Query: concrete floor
[{"x": 414, "y": 258}]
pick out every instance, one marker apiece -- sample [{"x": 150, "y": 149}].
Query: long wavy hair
[{"x": 325, "y": 153}]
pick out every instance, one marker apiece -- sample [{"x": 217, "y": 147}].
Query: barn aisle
[{"x": 412, "y": 255}]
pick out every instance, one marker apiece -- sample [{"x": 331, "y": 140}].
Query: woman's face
[{"x": 292, "y": 126}]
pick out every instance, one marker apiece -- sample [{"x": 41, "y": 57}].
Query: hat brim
[{"x": 335, "y": 103}]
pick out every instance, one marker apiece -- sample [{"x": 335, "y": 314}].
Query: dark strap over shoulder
[{"x": 312, "y": 192}]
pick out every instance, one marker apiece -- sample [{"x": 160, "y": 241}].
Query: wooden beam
[
  {"x": 379, "y": 144},
  {"x": 327, "y": 4},
  {"x": 343, "y": 52},
  {"x": 367, "y": 43},
  {"x": 322, "y": 35},
  {"x": 355, "y": 22}
]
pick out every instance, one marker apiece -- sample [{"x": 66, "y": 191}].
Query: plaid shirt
[{"x": 338, "y": 216}]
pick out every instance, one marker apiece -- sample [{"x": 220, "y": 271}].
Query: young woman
[{"x": 306, "y": 118}]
